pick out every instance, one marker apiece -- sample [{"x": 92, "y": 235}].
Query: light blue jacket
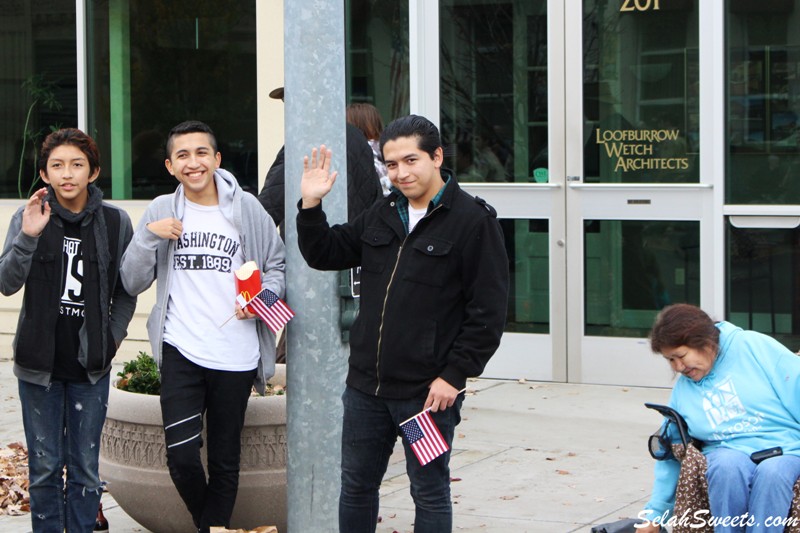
[
  {"x": 148, "y": 256},
  {"x": 749, "y": 401}
]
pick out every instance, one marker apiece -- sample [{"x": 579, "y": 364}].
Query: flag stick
[
  {"x": 240, "y": 299},
  {"x": 227, "y": 320}
]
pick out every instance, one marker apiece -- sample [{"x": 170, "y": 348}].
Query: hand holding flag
[
  {"x": 265, "y": 304},
  {"x": 424, "y": 437},
  {"x": 269, "y": 308}
]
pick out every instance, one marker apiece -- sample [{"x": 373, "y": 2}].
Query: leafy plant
[
  {"x": 140, "y": 375},
  {"x": 43, "y": 93}
]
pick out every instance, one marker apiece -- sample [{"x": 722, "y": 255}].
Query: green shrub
[{"x": 140, "y": 375}]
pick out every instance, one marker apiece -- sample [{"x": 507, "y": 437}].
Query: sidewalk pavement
[{"x": 528, "y": 457}]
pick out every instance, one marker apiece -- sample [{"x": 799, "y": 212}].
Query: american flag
[
  {"x": 424, "y": 438},
  {"x": 269, "y": 308}
]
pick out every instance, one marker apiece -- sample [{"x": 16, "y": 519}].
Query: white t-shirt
[
  {"x": 202, "y": 294},
  {"x": 414, "y": 216}
]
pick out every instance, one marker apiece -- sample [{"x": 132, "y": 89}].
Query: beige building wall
[{"x": 269, "y": 63}]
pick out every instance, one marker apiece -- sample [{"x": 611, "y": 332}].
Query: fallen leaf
[
  {"x": 509, "y": 497},
  {"x": 14, "y": 497},
  {"x": 563, "y": 472}
]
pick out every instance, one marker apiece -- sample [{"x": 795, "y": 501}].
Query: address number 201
[{"x": 640, "y": 5}]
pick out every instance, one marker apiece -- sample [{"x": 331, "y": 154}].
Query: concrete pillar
[{"x": 317, "y": 359}]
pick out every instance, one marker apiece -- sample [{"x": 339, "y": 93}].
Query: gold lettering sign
[
  {"x": 634, "y": 149},
  {"x": 640, "y": 5}
]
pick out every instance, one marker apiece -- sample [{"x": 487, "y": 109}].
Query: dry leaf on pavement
[{"x": 14, "y": 498}]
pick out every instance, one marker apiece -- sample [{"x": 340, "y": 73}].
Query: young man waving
[{"x": 434, "y": 287}]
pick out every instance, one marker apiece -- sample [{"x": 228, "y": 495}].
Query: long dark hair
[{"x": 366, "y": 118}]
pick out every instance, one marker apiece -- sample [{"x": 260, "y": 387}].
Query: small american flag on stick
[
  {"x": 424, "y": 437},
  {"x": 269, "y": 308}
]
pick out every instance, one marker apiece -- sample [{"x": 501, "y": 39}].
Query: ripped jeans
[{"x": 62, "y": 429}]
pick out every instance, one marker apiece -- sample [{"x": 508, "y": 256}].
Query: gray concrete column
[{"x": 317, "y": 359}]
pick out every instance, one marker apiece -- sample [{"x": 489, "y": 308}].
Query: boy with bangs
[{"x": 65, "y": 246}]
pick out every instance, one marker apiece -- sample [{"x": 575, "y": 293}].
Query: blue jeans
[
  {"x": 736, "y": 485},
  {"x": 62, "y": 428},
  {"x": 369, "y": 431}
]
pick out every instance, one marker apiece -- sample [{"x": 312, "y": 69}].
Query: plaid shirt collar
[{"x": 401, "y": 202}]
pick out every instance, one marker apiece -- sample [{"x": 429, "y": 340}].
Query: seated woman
[{"x": 739, "y": 392}]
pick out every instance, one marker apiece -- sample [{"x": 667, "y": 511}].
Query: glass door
[
  {"x": 635, "y": 197},
  {"x": 578, "y": 121},
  {"x": 501, "y": 120}
]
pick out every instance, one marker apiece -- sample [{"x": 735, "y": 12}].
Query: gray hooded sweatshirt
[{"x": 149, "y": 256}]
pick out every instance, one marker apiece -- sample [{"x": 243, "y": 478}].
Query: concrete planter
[{"x": 134, "y": 463}]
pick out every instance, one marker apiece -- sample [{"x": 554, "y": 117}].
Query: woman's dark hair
[
  {"x": 366, "y": 118},
  {"x": 683, "y": 325},
  {"x": 426, "y": 132},
  {"x": 191, "y": 126},
  {"x": 74, "y": 137}
]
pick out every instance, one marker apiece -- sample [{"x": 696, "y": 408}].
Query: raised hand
[
  {"x": 36, "y": 214},
  {"x": 317, "y": 178},
  {"x": 167, "y": 228}
]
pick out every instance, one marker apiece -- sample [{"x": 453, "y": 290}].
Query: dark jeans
[
  {"x": 369, "y": 432},
  {"x": 62, "y": 424},
  {"x": 187, "y": 392}
]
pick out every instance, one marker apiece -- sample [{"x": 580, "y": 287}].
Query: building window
[
  {"x": 763, "y": 102},
  {"x": 377, "y": 55},
  {"x": 156, "y": 63},
  {"x": 641, "y": 87},
  {"x": 38, "y": 86}
]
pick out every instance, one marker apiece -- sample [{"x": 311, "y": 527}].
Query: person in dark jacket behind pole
[
  {"x": 363, "y": 188},
  {"x": 434, "y": 289},
  {"x": 363, "y": 183},
  {"x": 65, "y": 246}
]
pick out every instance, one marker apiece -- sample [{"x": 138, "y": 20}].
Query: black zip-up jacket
[
  {"x": 37, "y": 263},
  {"x": 433, "y": 302}
]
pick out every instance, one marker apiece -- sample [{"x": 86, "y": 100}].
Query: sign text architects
[{"x": 637, "y": 149}]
